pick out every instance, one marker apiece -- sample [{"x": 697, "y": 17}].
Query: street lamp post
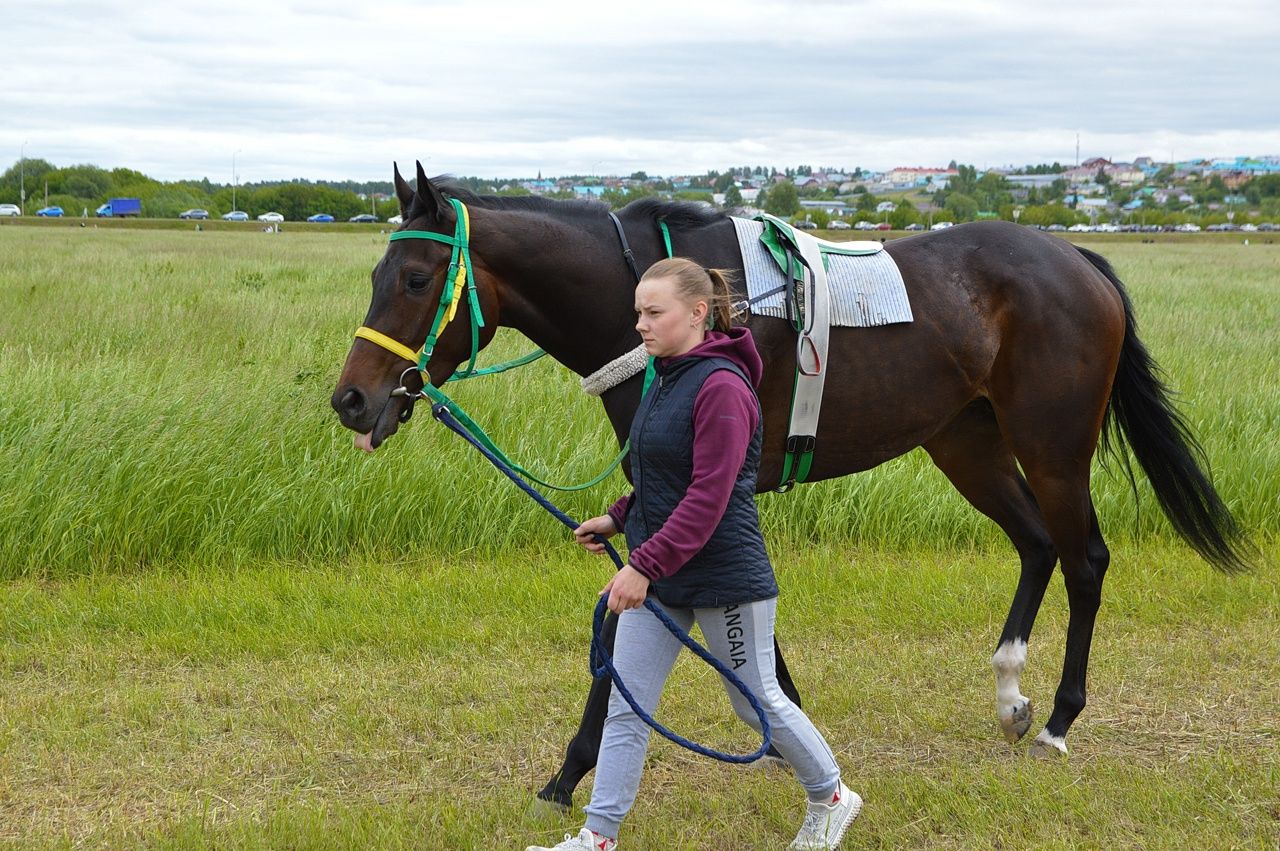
[
  {"x": 233, "y": 180},
  {"x": 22, "y": 177}
]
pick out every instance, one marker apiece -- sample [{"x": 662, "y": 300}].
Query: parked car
[
  {"x": 236, "y": 216},
  {"x": 364, "y": 218},
  {"x": 1248, "y": 228},
  {"x": 942, "y": 225},
  {"x": 396, "y": 220},
  {"x": 1188, "y": 227},
  {"x": 270, "y": 217},
  {"x": 914, "y": 226},
  {"x": 194, "y": 214},
  {"x": 49, "y": 212},
  {"x": 884, "y": 226},
  {"x": 806, "y": 224},
  {"x": 839, "y": 224},
  {"x": 1056, "y": 228},
  {"x": 10, "y": 210},
  {"x": 863, "y": 224},
  {"x": 320, "y": 217}
]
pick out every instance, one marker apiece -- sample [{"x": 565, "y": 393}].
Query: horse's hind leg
[
  {"x": 973, "y": 454},
  {"x": 1055, "y": 447},
  {"x": 1084, "y": 565}
]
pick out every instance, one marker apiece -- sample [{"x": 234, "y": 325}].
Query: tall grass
[{"x": 166, "y": 400}]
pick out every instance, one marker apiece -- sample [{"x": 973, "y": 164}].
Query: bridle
[{"x": 460, "y": 275}]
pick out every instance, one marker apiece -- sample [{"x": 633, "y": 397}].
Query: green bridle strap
[
  {"x": 461, "y": 272},
  {"x": 666, "y": 236},
  {"x": 460, "y": 269}
]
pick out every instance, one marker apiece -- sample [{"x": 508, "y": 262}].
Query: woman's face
[{"x": 667, "y": 324}]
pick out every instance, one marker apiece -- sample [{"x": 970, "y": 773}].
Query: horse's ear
[
  {"x": 429, "y": 200},
  {"x": 404, "y": 192}
]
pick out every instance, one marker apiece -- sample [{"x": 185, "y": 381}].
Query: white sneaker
[
  {"x": 584, "y": 841},
  {"x": 825, "y": 823}
]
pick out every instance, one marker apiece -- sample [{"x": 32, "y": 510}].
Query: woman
[{"x": 695, "y": 544}]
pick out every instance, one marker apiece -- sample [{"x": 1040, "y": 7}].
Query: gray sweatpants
[{"x": 644, "y": 652}]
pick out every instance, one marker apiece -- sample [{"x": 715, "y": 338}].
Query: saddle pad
[{"x": 866, "y": 290}]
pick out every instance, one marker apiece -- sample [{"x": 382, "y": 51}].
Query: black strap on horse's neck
[{"x": 626, "y": 248}]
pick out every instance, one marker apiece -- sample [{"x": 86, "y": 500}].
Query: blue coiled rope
[{"x": 601, "y": 663}]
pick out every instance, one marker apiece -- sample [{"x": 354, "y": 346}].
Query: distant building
[
  {"x": 539, "y": 186},
  {"x": 909, "y": 177},
  {"x": 1032, "y": 181},
  {"x": 834, "y": 208}
]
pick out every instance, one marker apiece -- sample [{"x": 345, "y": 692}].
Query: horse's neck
[
  {"x": 564, "y": 286},
  {"x": 568, "y": 288}
]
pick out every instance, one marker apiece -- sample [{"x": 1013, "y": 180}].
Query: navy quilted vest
[{"x": 733, "y": 567}]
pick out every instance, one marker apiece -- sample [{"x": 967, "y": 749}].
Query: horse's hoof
[
  {"x": 543, "y": 810},
  {"x": 1046, "y": 746},
  {"x": 1017, "y": 721}
]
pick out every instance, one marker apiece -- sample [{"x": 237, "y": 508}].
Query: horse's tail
[{"x": 1141, "y": 414}]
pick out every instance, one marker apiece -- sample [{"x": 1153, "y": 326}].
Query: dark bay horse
[{"x": 1022, "y": 351}]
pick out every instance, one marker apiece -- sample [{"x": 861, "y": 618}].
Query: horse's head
[{"x": 427, "y": 260}]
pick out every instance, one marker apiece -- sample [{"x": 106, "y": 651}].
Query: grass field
[{"x": 222, "y": 627}]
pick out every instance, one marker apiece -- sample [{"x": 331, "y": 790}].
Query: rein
[{"x": 601, "y": 663}]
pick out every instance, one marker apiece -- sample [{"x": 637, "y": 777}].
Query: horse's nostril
[{"x": 352, "y": 403}]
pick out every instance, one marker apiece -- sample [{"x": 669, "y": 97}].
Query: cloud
[{"x": 505, "y": 89}]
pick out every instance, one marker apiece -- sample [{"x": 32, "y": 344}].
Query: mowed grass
[{"x": 225, "y": 628}]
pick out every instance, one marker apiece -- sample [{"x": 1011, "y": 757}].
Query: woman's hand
[
  {"x": 626, "y": 590},
  {"x": 585, "y": 534}
]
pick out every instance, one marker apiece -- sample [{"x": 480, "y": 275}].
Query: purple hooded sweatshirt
[{"x": 725, "y": 415}]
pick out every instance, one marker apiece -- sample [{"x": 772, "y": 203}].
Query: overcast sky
[{"x": 332, "y": 90}]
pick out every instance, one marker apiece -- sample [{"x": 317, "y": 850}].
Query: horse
[{"x": 1023, "y": 355}]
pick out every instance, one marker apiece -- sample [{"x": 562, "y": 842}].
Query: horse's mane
[
  {"x": 677, "y": 214},
  {"x": 532, "y": 203}
]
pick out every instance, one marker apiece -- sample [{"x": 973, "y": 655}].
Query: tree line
[
  {"x": 968, "y": 195},
  {"x": 81, "y": 188}
]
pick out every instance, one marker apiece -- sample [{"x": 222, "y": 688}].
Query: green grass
[
  {"x": 223, "y": 627},
  {"x": 420, "y": 704},
  {"x": 167, "y": 396}
]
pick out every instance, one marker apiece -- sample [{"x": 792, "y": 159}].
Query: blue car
[
  {"x": 53, "y": 212},
  {"x": 320, "y": 217},
  {"x": 235, "y": 216}
]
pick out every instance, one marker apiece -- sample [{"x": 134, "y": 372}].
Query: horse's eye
[{"x": 417, "y": 283}]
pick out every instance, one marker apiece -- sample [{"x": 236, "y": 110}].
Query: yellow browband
[{"x": 364, "y": 332}]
